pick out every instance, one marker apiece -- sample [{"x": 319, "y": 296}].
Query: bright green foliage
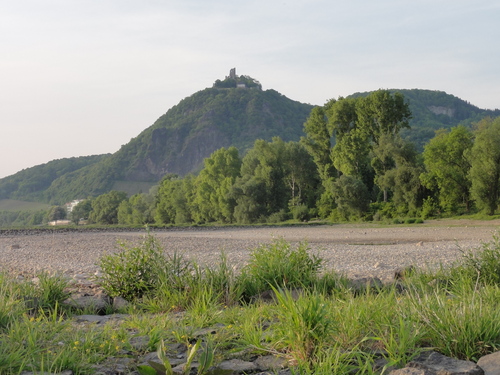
[
  {"x": 175, "y": 200},
  {"x": 214, "y": 184},
  {"x": 485, "y": 166},
  {"x": 105, "y": 207},
  {"x": 318, "y": 142},
  {"x": 50, "y": 291},
  {"x": 362, "y": 128},
  {"x": 275, "y": 176},
  {"x": 447, "y": 167},
  {"x": 134, "y": 271}
]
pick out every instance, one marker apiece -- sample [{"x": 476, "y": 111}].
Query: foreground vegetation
[{"x": 317, "y": 320}]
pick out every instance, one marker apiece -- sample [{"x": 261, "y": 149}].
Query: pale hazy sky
[{"x": 84, "y": 77}]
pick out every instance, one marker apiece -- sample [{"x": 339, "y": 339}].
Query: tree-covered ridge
[{"x": 32, "y": 183}]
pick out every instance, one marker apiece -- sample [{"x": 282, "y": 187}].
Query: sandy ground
[{"x": 355, "y": 250}]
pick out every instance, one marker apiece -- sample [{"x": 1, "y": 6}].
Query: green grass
[
  {"x": 319, "y": 326},
  {"x": 15, "y": 205}
]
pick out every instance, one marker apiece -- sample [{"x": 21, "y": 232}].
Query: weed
[
  {"x": 278, "y": 265},
  {"x": 134, "y": 271}
]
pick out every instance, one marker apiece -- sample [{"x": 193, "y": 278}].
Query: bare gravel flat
[{"x": 355, "y": 250}]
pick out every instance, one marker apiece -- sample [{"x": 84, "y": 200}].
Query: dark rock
[
  {"x": 270, "y": 295},
  {"x": 442, "y": 365},
  {"x": 365, "y": 283},
  {"x": 82, "y": 301},
  {"x": 403, "y": 273}
]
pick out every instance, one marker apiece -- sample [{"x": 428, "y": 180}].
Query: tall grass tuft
[
  {"x": 304, "y": 324},
  {"x": 278, "y": 265}
]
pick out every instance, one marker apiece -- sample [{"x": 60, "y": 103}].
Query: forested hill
[
  {"x": 434, "y": 110},
  {"x": 189, "y": 132}
]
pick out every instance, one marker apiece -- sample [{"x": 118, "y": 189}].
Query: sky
[{"x": 83, "y": 77}]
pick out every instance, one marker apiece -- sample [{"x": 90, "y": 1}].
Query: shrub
[
  {"x": 278, "y": 265},
  {"x": 134, "y": 271},
  {"x": 278, "y": 217},
  {"x": 301, "y": 213}
]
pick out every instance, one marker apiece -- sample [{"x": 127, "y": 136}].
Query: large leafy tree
[
  {"x": 175, "y": 198},
  {"x": 447, "y": 167},
  {"x": 275, "y": 176},
  {"x": 214, "y": 184},
  {"x": 485, "y": 165},
  {"x": 57, "y": 213},
  {"x": 356, "y": 127},
  {"x": 81, "y": 211},
  {"x": 105, "y": 207},
  {"x": 261, "y": 190},
  {"x": 138, "y": 209}
]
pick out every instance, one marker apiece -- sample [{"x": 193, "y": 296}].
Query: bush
[
  {"x": 278, "y": 265},
  {"x": 301, "y": 213},
  {"x": 134, "y": 271},
  {"x": 277, "y": 217}
]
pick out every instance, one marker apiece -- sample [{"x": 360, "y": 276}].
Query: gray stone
[
  {"x": 490, "y": 363},
  {"x": 271, "y": 362},
  {"x": 443, "y": 365},
  {"x": 120, "y": 303},
  {"x": 237, "y": 365},
  {"x": 364, "y": 283},
  {"x": 97, "y": 303},
  {"x": 115, "y": 366},
  {"x": 98, "y": 319}
]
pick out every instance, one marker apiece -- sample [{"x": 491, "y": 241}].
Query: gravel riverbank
[{"x": 356, "y": 250}]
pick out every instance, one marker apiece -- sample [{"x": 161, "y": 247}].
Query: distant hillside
[
  {"x": 433, "y": 110},
  {"x": 31, "y": 184}
]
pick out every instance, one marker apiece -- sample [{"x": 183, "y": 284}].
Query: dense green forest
[{"x": 352, "y": 164}]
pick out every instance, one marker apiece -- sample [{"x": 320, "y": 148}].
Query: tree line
[{"x": 351, "y": 164}]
